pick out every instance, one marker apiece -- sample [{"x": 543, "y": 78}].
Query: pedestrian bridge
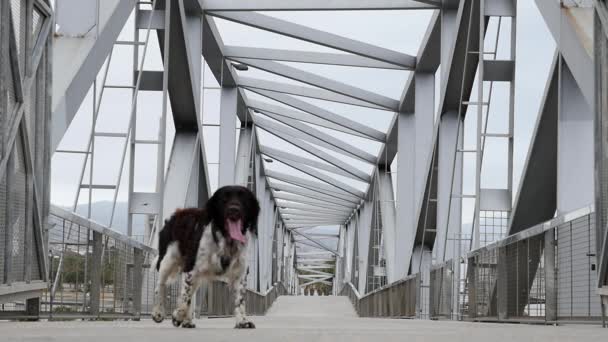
[
  {"x": 426, "y": 169},
  {"x": 299, "y": 318}
]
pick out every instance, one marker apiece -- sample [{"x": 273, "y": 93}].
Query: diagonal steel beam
[
  {"x": 281, "y": 155},
  {"x": 301, "y": 90},
  {"x": 321, "y": 82},
  {"x": 312, "y": 185},
  {"x": 293, "y": 205},
  {"x": 327, "y": 138},
  {"x": 309, "y": 193},
  {"x": 262, "y": 106},
  {"x": 324, "y": 114},
  {"x": 285, "y": 133},
  {"x": 306, "y": 200},
  {"x": 327, "y": 179},
  {"x": 272, "y": 24},
  {"x": 312, "y": 57},
  {"x": 316, "y": 242},
  {"x": 317, "y": 5}
]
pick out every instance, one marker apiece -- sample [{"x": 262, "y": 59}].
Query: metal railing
[
  {"x": 104, "y": 274},
  {"x": 220, "y": 299},
  {"x": 546, "y": 273},
  {"x": 107, "y": 275},
  {"x": 398, "y": 299}
]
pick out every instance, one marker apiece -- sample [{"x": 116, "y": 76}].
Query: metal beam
[
  {"x": 566, "y": 27},
  {"x": 312, "y": 185},
  {"x": 311, "y": 57},
  {"x": 309, "y": 193},
  {"x": 307, "y": 200},
  {"x": 352, "y": 126},
  {"x": 315, "y": 242},
  {"x": 281, "y": 155},
  {"x": 288, "y": 134},
  {"x": 325, "y": 178},
  {"x": 307, "y": 207},
  {"x": 268, "y": 23},
  {"x": 302, "y": 90},
  {"x": 355, "y": 152},
  {"x": 320, "y": 81},
  {"x": 315, "y": 5}
]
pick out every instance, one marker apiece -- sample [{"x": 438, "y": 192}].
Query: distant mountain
[{"x": 101, "y": 212}]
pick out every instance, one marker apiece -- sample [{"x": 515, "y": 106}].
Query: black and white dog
[{"x": 205, "y": 245}]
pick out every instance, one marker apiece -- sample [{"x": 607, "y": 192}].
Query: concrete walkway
[{"x": 306, "y": 319}]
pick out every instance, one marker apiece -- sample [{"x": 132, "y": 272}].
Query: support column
[
  {"x": 363, "y": 239},
  {"x": 138, "y": 260},
  {"x": 243, "y": 156},
  {"x": 228, "y": 108},
  {"x": 415, "y": 137},
  {"x": 502, "y": 293},
  {"x": 449, "y": 185},
  {"x": 96, "y": 269},
  {"x": 575, "y": 145},
  {"x": 550, "y": 276},
  {"x": 388, "y": 215}
]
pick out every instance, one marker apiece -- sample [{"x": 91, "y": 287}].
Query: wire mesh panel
[
  {"x": 441, "y": 287},
  {"x": 525, "y": 278},
  {"x": 484, "y": 270},
  {"x": 493, "y": 226},
  {"x": 577, "y": 270}
]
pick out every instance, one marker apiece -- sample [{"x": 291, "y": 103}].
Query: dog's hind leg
[
  {"x": 182, "y": 316},
  {"x": 167, "y": 269},
  {"x": 239, "y": 288}
]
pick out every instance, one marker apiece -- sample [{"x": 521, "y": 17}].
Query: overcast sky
[{"x": 397, "y": 30}]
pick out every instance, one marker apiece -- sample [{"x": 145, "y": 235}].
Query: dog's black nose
[
  {"x": 225, "y": 262},
  {"x": 233, "y": 210}
]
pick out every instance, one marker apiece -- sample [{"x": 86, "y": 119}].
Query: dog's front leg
[
  {"x": 239, "y": 288},
  {"x": 182, "y": 316}
]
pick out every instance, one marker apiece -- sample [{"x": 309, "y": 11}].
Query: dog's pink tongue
[{"x": 234, "y": 229}]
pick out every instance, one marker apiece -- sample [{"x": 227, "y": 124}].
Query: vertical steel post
[
  {"x": 550, "y": 276},
  {"x": 96, "y": 271}
]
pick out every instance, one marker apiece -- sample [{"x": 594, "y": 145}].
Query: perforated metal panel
[
  {"x": 577, "y": 269},
  {"x": 3, "y": 207},
  {"x": 18, "y": 15},
  {"x": 17, "y": 212}
]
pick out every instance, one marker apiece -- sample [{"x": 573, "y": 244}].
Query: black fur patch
[{"x": 186, "y": 226}]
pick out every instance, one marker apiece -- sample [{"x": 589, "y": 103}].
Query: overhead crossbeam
[
  {"x": 316, "y": 243},
  {"x": 309, "y": 193},
  {"x": 311, "y": 57},
  {"x": 307, "y": 200},
  {"x": 307, "y": 211},
  {"x": 293, "y": 30},
  {"x": 316, "y": 5},
  {"x": 293, "y": 205},
  {"x": 312, "y": 114},
  {"x": 312, "y": 185},
  {"x": 281, "y": 156},
  {"x": 301, "y": 90},
  {"x": 284, "y": 133},
  {"x": 327, "y": 138},
  {"x": 320, "y": 81}
]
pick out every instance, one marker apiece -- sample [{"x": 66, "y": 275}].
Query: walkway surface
[{"x": 309, "y": 319}]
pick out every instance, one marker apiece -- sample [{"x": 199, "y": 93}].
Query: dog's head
[{"x": 235, "y": 209}]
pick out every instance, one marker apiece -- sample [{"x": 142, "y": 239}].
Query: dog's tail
[{"x": 164, "y": 238}]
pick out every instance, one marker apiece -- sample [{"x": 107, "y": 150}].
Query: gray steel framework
[{"x": 398, "y": 210}]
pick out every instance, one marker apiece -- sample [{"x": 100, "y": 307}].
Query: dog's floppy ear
[
  {"x": 254, "y": 211},
  {"x": 212, "y": 207}
]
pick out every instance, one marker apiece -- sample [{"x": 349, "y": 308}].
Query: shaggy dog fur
[{"x": 205, "y": 245}]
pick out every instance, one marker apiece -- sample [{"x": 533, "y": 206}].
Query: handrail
[{"x": 98, "y": 227}]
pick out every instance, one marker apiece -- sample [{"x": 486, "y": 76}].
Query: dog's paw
[
  {"x": 245, "y": 325},
  {"x": 158, "y": 316},
  {"x": 188, "y": 325},
  {"x": 176, "y": 323}
]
